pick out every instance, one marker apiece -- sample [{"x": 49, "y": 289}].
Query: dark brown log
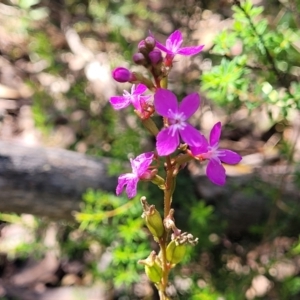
[{"x": 47, "y": 181}]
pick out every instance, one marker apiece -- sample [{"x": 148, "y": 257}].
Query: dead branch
[{"x": 46, "y": 181}]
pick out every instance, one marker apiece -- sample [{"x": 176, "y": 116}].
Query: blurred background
[{"x": 56, "y": 59}]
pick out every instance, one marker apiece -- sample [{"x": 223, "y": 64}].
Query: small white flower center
[
  {"x": 176, "y": 121},
  {"x": 213, "y": 152},
  {"x": 174, "y": 45}
]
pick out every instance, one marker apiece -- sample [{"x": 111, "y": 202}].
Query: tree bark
[{"x": 47, "y": 181}]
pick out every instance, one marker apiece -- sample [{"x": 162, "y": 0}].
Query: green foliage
[
  {"x": 39, "y": 108},
  {"x": 27, "y": 240},
  {"x": 205, "y": 294},
  {"x": 291, "y": 287},
  {"x": 227, "y": 82},
  {"x": 115, "y": 223},
  {"x": 261, "y": 72},
  {"x": 41, "y": 48}
]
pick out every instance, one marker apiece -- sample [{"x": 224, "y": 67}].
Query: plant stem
[{"x": 163, "y": 242}]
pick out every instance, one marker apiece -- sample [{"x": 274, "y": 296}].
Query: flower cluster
[{"x": 176, "y": 133}]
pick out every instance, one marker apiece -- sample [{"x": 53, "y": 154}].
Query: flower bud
[
  {"x": 152, "y": 218},
  {"x": 155, "y": 56},
  {"x": 175, "y": 252},
  {"x": 139, "y": 59},
  {"x": 150, "y": 42},
  {"x": 122, "y": 74},
  {"x": 143, "y": 48},
  {"x": 152, "y": 268}
]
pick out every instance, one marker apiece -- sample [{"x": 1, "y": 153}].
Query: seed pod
[
  {"x": 154, "y": 272},
  {"x": 175, "y": 253},
  {"x": 154, "y": 222},
  {"x": 152, "y": 218},
  {"x": 152, "y": 267}
]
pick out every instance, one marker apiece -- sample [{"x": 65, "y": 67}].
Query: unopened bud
[
  {"x": 150, "y": 42},
  {"x": 139, "y": 59},
  {"x": 175, "y": 252},
  {"x": 122, "y": 75},
  {"x": 155, "y": 56},
  {"x": 152, "y": 267},
  {"x": 152, "y": 218},
  {"x": 143, "y": 48}
]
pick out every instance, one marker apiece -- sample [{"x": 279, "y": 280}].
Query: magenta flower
[
  {"x": 173, "y": 46},
  {"x": 166, "y": 105},
  {"x": 140, "y": 170},
  {"x": 215, "y": 170},
  {"x": 135, "y": 98}
]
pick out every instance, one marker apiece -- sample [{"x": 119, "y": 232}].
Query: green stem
[
  {"x": 168, "y": 192},
  {"x": 165, "y": 267}
]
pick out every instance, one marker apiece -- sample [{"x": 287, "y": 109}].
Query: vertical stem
[
  {"x": 169, "y": 188},
  {"x": 164, "y": 240}
]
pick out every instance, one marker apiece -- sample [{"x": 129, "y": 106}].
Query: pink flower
[
  {"x": 140, "y": 170},
  {"x": 166, "y": 105},
  {"x": 215, "y": 170},
  {"x": 173, "y": 46},
  {"x": 135, "y": 98}
]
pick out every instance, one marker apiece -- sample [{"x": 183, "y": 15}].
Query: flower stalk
[{"x": 177, "y": 142}]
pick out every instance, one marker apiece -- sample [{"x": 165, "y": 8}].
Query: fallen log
[
  {"x": 47, "y": 181},
  {"x": 50, "y": 182}
]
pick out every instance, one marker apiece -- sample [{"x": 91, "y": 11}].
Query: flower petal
[
  {"x": 203, "y": 148},
  {"x": 174, "y": 41},
  {"x": 229, "y": 157},
  {"x": 189, "y": 104},
  {"x": 119, "y": 102},
  {"x": 216, "y": 172},
  {"x": 141, "y": 163},
  {"x": 190, "y": 50},
  {"x": 163, "y": 48},
  {"x": 215, "y": 134},
  {"x": 159, "y": 45},
  {"x": 131, "y": 187},
  {"x": 192, "y": 136},
  {"x": 139, "y": 89},
  {"x": 166, "y": 143},
  {"x": 123, "y": 180},
  {"x": 164, "y": 102}
]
